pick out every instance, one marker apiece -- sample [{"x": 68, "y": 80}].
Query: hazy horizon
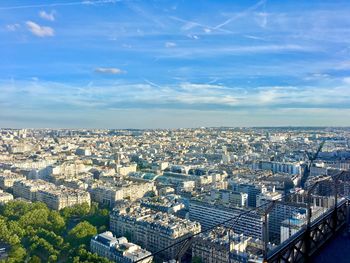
[{"x": 177, "y": 128}]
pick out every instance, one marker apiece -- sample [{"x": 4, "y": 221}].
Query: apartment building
[
  {"x": 5, "y": 197},
  {"x": 55, "y": 197},
  {"x": 211, "y": 214},
  {"x": 60, "y": 197},
  {"x": 218, "y": 245},
  {"x": 28, "y": 189},
  {"x": 152, "y": 230},
  {"x": 118, "y": 249},
  {"x": 106, "y": 195},
  {"x": 280, "y": 167},
  {"x": 7, "y": 179}
]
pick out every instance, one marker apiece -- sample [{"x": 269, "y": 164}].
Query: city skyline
[{"x": 169, "y": 64}]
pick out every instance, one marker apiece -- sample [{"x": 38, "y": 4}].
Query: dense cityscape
[
  {"x": 174, "y": 131},
  {"x": 133, "y": 195}
]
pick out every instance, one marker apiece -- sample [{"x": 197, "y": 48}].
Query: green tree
[
  {"x": 42, "y": 248},
  {"x": 17, "y": 254},
  {"x": 81, "y": 234},
  {"x": 15, "y": 209},
  {"x": 77, "y": 211},
  {"x": 7, "y": 235},
  {"x": 38, "y": 234},
  {"x": 34, "y": 259},
  {"x": 98, "y": 218},
  {"x": 38, "y": 205},
  {"x": 35, "y": 218},
  {"x": 80, "y": 254},
  {"x": 57, "y": 222},
  {"x": 15, "y": 228},
  {"x": 50, "y": 236}
]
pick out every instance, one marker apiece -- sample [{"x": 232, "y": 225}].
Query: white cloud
[
  {"x": 193, "y": 36},
  {"x": 207, "y": 30},
  {"x": 254, "y": 37},
  {"x": 12, "y": 27},
  {"x": 170, "y": 44},
  {"x": 346, "y": 80},
  {"x": 47, "y": 16},
  {"x": 342, "y": 65},
  {"x": 113, "y": 71},
  {"x": 307, "y": 97},
  {"x": 111, "y": 94},
  {"x": 40, "y": 31}
]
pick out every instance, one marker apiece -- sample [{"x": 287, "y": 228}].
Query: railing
[
  {"x": 293, "y": 227},
  {"x": 324, "y": 218}
]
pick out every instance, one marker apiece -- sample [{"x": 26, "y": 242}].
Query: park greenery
[{"x": 37, "y": 234}]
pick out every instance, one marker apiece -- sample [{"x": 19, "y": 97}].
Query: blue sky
[{"x": 168, "y": 64}]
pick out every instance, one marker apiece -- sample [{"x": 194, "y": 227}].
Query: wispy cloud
[
  {"x": 144, "y": 14},
  {"x": 40, "y": 31},
  {"x": 240, "y": 14},
  {"x": 183, "y": 95},
  {"x": 152, "y": 83},
  {"x": 188, "y": 24},
  {"x": 92, "y": 2},
  {"x": 170, "y": 44},
  {"x": 346, "y": 80},
  {"x": 262, "y": 19},
  {"x": 12, "y": 27},
  {"x": 112, "y": 71},
  {"x": 48, "y": 16},
  {"x": 238, "y": 50}
]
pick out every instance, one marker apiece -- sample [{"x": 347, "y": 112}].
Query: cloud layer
[
  {"x": 187, "y": 95},
  {"x": 148, "y": 105}
]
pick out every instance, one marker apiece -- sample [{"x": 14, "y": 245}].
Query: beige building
[
  {"x": 152, "y": 230},
  {"x": 134, "y": 190},
  {"x": 217, "y": 246},
  {"x": 28, "y": 189},
  {"x": 118, "y": 249},
  {"x": 7, "y": 179},
  {"x": 5, "y": 197},
  {"x": 106, "y": 195},
  {"x": 60, "y": 197},
  {"x": 125, "y": 170},
  {"x": 55, "y": 197}
]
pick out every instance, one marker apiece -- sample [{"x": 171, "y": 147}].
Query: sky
[{"x": 174, "y": 64}]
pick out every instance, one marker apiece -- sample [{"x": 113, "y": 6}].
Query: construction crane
[{"x": 312, "y": 158}]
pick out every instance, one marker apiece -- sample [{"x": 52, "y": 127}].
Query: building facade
[
  {"x": 118, "y": 249},
  {"x": 211, "y": 214},
  {"x": 152, "y": 230}
]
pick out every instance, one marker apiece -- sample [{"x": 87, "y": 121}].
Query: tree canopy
[{"x": 37, "y": 234}]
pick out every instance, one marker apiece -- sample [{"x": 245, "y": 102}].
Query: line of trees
[{"x": 37, "y": 234}]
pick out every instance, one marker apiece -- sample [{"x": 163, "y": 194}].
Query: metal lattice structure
[
  {"x": 317, "y": 231},
  {"x": 303, "y": 245},
  {"x": 323, "y": 205}
]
